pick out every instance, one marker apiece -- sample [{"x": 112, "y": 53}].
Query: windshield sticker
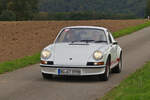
[{"x": 66, "y": 30}]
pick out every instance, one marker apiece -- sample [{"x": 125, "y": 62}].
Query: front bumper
[{"x": 72, "y": 70}]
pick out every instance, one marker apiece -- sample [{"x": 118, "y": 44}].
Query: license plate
[
  {"x": 76, "y": 72},
  {"x": 69, "y": 71}
]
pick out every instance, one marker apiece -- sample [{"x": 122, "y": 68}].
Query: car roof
[{"x": 94, "y": 27}]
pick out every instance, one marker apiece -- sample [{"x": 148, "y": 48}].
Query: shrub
[
  {"x": 7, "y": 15},
  {"x": 41, "y": 16}
]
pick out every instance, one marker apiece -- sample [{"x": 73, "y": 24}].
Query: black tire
[
  {"x": 106, "y": 75},
  {"x": 46, "y": 76},
  {"x": 118, "y": 68}
]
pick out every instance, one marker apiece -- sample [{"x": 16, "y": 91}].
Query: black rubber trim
[{"x": 72, "y": 67}]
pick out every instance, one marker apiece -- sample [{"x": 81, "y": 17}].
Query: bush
[
  {"x": 80, "y": 16},
  {"x": 41, "y": 16},
  {"x": 7, "y": 15}
]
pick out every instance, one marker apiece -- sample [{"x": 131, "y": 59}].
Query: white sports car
[{"x": 82, "y": 51}]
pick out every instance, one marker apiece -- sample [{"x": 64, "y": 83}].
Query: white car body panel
[{"x": 75, "y": 52}]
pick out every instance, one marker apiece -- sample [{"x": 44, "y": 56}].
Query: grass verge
[
  {"x": 131, "y": 29},
  {"x": 29, "y": 60},
  {"x": 19, "y": 63},
  {"x": 135, "y": 87}
]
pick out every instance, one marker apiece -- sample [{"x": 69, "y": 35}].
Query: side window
[
  {"x": 112, "y": 38},
  {"x": 109, "y": 37}
]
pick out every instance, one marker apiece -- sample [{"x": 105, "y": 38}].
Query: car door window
[
  {"x": 112, "y": 38},
  {"x": 109, "y": 37}
]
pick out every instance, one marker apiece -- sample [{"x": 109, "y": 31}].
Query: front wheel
[
  {"x": 118, "y": 68},
  {"x": 106, "y": 75}
]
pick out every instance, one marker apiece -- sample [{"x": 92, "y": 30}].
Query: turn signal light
[
  {"x": 43, "y": 62},
  {"x": 99, "y": 63},
  {"x": 95, "y": 63}
]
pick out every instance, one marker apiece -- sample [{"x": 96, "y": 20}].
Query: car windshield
[{"x": 81, "y": 35}]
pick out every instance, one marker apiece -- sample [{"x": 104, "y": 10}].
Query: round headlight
[
  {"x": 97, "y": 55},
  {"x": 45, "y": 54}
]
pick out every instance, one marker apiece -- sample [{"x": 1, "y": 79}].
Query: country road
[{"x": 28, "y": 84}]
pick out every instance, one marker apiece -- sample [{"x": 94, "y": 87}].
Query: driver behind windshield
[
  {"x": 96, "y": 36},
  {"x": 81, "y": 35},
  {"x": 69, "y": 35}
]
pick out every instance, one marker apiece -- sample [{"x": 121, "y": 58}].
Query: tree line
[
  {"x": 73, "y": 9},
  {"x": 81, "y": 16},
  {"x": 18, "y": 9},
  {"x": 125, "y": 7}
]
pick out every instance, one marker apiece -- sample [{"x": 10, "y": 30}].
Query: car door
[{"x": 113, "y": 49}]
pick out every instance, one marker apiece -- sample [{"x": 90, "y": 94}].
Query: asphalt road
[{"x": 27, "y": 83}]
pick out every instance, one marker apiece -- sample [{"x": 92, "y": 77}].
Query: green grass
[
  {"x": 131, "y": 29},
  {"x": 135, "y": 87},
  {"x": 29, "y": 60},
  {"x": 19, "y": 63}
]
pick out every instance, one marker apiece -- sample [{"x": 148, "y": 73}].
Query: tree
[
  {"x": 24, "y": 9},
  {"x": 148, "y": 8},
  {"x": 3, "y": 5},
  {"x": 41, "y": 16},
  {"x": 7, "y": 15},
  {"x": 137, "y": 7}
]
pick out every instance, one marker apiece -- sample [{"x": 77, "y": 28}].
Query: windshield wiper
[
  {"x": 87, "y": 41},
  {"x": 75, "y": 41},
  {"x": 100, "y": 41}
]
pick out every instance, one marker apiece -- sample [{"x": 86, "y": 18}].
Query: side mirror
[{"x": 115, "y": 43}]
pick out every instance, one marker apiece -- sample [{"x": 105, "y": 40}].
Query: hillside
[{"x": 135, "y": 7}]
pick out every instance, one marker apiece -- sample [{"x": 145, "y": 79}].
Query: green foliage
[
  {"x": 23, "y": 9},
  {"x": 135, "y": 7},
  {"x": 7, "y": 15},
  {"x": 41, "y": 16},
  {"x": 29, "y": 60},
  {"x": 74, "y": 9},
  {"x": 148, "y": 8},
  {"x": 135, "y": 87},
  {"x": 80, "y": 16}
]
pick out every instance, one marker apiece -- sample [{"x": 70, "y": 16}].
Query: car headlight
[
  {"x": 97, "y": 55},
  {"x": 45, "y": 54}
]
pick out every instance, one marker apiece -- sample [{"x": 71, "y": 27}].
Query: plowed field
[{"x": 19, "y": 39}]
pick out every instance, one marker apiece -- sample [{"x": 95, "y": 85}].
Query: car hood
[{"x": 75, "y": 54}]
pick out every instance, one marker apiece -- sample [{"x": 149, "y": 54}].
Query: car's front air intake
[
  {"x": 90, "y": 63},
  {"x": 50, "y": 63}
]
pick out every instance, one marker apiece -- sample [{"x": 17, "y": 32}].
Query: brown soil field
[{"x": 19, "y": 39}]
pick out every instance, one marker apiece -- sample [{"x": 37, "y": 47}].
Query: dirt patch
[{"x": 19, "y": 39}]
